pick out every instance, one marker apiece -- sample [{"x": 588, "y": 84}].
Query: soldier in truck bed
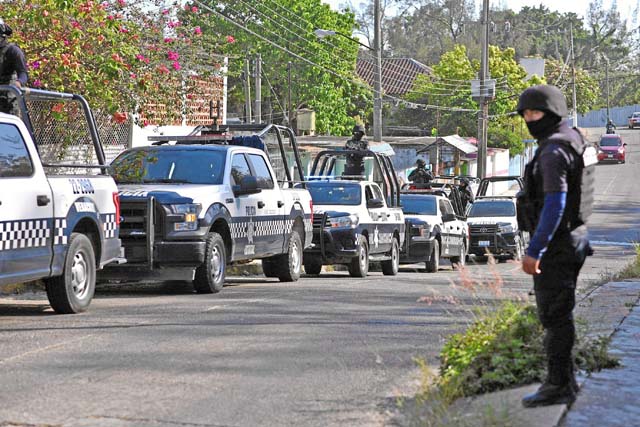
[
  {"x": 13, "y": 69},
  {"x": 420, "y": 175}
]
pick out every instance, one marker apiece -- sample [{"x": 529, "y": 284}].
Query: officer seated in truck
[
  {"x": 420, "y": 176},
  {"x": 355, "y": 162}
]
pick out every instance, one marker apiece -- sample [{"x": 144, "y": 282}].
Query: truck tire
[
  {"x": 269, "y": 267},
  {"x": 359, "y": 266},
  {"x": 390, "y": 267},
  {"x": 312, "y": 265},
  {"x": 459, "y": 261},
  {"x": 517, "y": 255},
  {"x": 210, "y": 276},
  {"x": 434, "y": 263},
  {"x": 289, "y": 265},
  {"x": 72, "y": 291}
]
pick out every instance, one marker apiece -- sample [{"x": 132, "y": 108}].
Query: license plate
[
  {"x": 484, "y": 243},
  {"x": 609, "y": 155}
]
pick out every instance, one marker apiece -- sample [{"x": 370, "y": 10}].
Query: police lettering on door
[{"x": 81, "y": 186}]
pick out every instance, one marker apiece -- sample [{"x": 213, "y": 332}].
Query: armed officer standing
[
  {"x": 355, "y": 161},
  {"x": 13, "y": 69},
  {"x": 420, "y": 175},
  {"x": 554, "y": 206},
  {"x": 466, "y": 195}
]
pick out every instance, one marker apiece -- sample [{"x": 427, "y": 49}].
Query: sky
[{"x": 580, "y": 7}]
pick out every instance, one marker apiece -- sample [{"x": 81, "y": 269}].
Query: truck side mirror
[
  {"x": 375, "y": 203},
  {"x": 248, "y": 185},
  {"x": 448, "y": 217}
]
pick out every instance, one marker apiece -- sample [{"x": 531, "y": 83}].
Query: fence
[{"x": 598, "y": 118}]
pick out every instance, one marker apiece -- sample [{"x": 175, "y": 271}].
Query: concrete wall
[{"x": 598, "y": 118}]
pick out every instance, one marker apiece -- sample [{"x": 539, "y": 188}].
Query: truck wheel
[
  {"x": 269, "y": 267},
  {"x": 390, "y": 267},
  {"x": 289, "y": 265},
  {"x": 312, "y": 265},
  {"x": 359, "y": 266},
  {"x": 434, "y": 263},
  {"x": 73, "y": 290},
  {"x": 517, "y": 255},
  {"x": 210, "y": 275},
  {"x": 459, "y": 261}
]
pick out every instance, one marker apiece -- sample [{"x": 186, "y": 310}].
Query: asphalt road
[{"x": 323, "y": 351}]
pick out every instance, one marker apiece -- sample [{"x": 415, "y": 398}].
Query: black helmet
[
  {"x": 358, "y": 128},
  {"x": 464, "y": 181},
  {"x": 545, "y": 98},
  {"x": 421, "y": 163},
  {"x": 5, "y": 30}
]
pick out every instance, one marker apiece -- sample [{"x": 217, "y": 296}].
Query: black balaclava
[
  {"x": 548, "y": 99},
  {"x": 544, "y": 127}
]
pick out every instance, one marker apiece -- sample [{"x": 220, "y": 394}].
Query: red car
[{"x": 611, "y": 149}]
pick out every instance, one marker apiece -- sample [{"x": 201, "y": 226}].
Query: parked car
[
  {"x": 433, "y": 230},
  {"x": 611, "y": 149},
  {"x": 634, "y": 120},
  {"x": 493, "y": 228},
  {"x": 58, "y": 222}
]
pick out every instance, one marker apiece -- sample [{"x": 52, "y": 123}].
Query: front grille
[
  {"x": 317, "y": 221},
  {"x": 135, "y": 228},
  {"x": 483, "y": 229}
]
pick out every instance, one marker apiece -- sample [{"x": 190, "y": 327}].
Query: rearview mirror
[
  {"x": 248, "y": 185},
  {"x": 375, "y": 203}
]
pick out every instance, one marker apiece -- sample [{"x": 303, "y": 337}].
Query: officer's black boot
[{"x": 560, "y": 387}]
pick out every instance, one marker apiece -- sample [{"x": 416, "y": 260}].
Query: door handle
[
  {"x": 280, "y": 203},
  {"x": 260, "y": 204},
  {"x": 43, "y": 200}
]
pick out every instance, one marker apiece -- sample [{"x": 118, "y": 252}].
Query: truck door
[
  {"x": 270, "y": 230},
  {"x": 243, "y": 229},
  {"x": 379, "y": 237},
  {"x": 447, "y": 227},
  {"x": 26, "y": 210},
  {"x": 455, "y": 230}
]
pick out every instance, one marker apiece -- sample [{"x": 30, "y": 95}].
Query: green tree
[{"x": 588, "y": 93}]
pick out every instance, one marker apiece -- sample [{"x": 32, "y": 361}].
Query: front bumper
[
  {"x": 417, "y": 249},
  {"x": 496, "y": 244},
  {"x": 334, "y": 246}
]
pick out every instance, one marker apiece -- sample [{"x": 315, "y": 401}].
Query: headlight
[
  {"x": 505, "y": 228},
  {"x": 350, "y": 221},
  {"x": 190, "y": 213}
]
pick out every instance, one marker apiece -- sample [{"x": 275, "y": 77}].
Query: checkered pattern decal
[
  {"x": 109, "y": 226},
  {"x": 24, "y": 234},
  {"x": 308, "y": 224},
  {"x": 60, "y": 232},
  {"x": 262, "y": 228}
]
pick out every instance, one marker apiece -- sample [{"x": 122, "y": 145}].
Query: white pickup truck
[
  {"x": 56, "y": 227},
  {"x": 192, "y": 207}
]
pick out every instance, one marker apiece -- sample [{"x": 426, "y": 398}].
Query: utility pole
[
  {"x": 247, "y": 91},
  {"x": 573, "y": 70},
  {"x": 289, "y": 107},
  {"x": 606, "y": 78},
  {"x": 258, "y": 106},
  {"x": 483, "y": 114},
  {"x": 377, "y": 74}
]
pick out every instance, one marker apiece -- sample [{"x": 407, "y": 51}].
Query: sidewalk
[{"x": 607, "y": 310}]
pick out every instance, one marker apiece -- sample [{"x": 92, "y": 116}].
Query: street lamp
[{"x": 377, "y": 69}]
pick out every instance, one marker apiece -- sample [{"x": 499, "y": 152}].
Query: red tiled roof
[{"x": 398, "y": 74}]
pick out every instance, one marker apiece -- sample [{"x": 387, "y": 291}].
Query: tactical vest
[
  {"x": 6, "y": 78},
  {"x": 579, "y": 203}
]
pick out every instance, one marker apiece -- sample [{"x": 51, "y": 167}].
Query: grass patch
[
  {"x": 631, "y": 271},
  {"x": 504, "y": 349}
]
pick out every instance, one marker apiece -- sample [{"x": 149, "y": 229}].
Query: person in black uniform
[
  {"x": 466, "y": 195},
  {"x": 355, "y": 162},
  {"x": 554, "y": 206},
  {"x": 611, "y": 127},
  {"x": 420, "y": 175},
  {"x": 13, "y": 69}
]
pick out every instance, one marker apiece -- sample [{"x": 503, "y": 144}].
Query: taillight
[
  {"x": 116, "y": 202},
  {"x": 311, "y": 209}
]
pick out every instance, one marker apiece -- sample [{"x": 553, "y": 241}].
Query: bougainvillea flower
[
  {"x": 37, "y": 83},
  {"x": 176, "y": 66},
  {"x": 173, "y": 56},
  {"x": 197, "y": 31},
  {"x": 120, "y": 117},
  {"x": 231, "y": 39}
]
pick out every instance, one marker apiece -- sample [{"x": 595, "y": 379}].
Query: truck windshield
[
  {"x": 324, "y": 193},
  {"x": 492, "y": 208},
  {"x": 418, "y": 205},
  {"x": 169, "y": 166}
]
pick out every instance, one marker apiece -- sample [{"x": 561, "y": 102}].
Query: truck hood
[
  {"x": 332, "y": 211},
  {"x": 167, "y": 193},
  {"x": 492, "y": 220}
]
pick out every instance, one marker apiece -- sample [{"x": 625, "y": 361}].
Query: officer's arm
[
  {"x": 21, "y": 66},
  {"x": 550, "y": 217}
]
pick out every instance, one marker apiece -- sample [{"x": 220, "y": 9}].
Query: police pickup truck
[
  {"x": 53, "y": 226},
  {"x": 434, "y": 230},
  {"x": 357, "y": 218},
  {"x": 191, "y": 208}
]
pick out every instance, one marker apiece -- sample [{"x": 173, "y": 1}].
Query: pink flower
[
  {"x": 76, "y": 24},
  {"x": 122, "y": 3},
  {"x": 173, "y": 24},
  {"x": 37, "y": 83},
  {"x": 133, "y": 75},
  {"x": 176, "y": 66},
  {"x": 165, "y": 12},
  {"x": 66, "y": 42},
  {"x": 168, "y": 40},
  {"x": 110, "y": 17},
  {"x": 194, "y": 9},
  {"x": 197, "y": 31},
  {"x": 140, "y": 57},
  {"x": 163, "y": 70},
  {"x": 172, "y": 56},
  {"x": 231, "y": 39},
  {"x": 35, "y": 65},
  {"x": 124, "y": 30}
]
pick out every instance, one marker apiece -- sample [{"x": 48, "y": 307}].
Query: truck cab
[{"x": 59, "y": 221}]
